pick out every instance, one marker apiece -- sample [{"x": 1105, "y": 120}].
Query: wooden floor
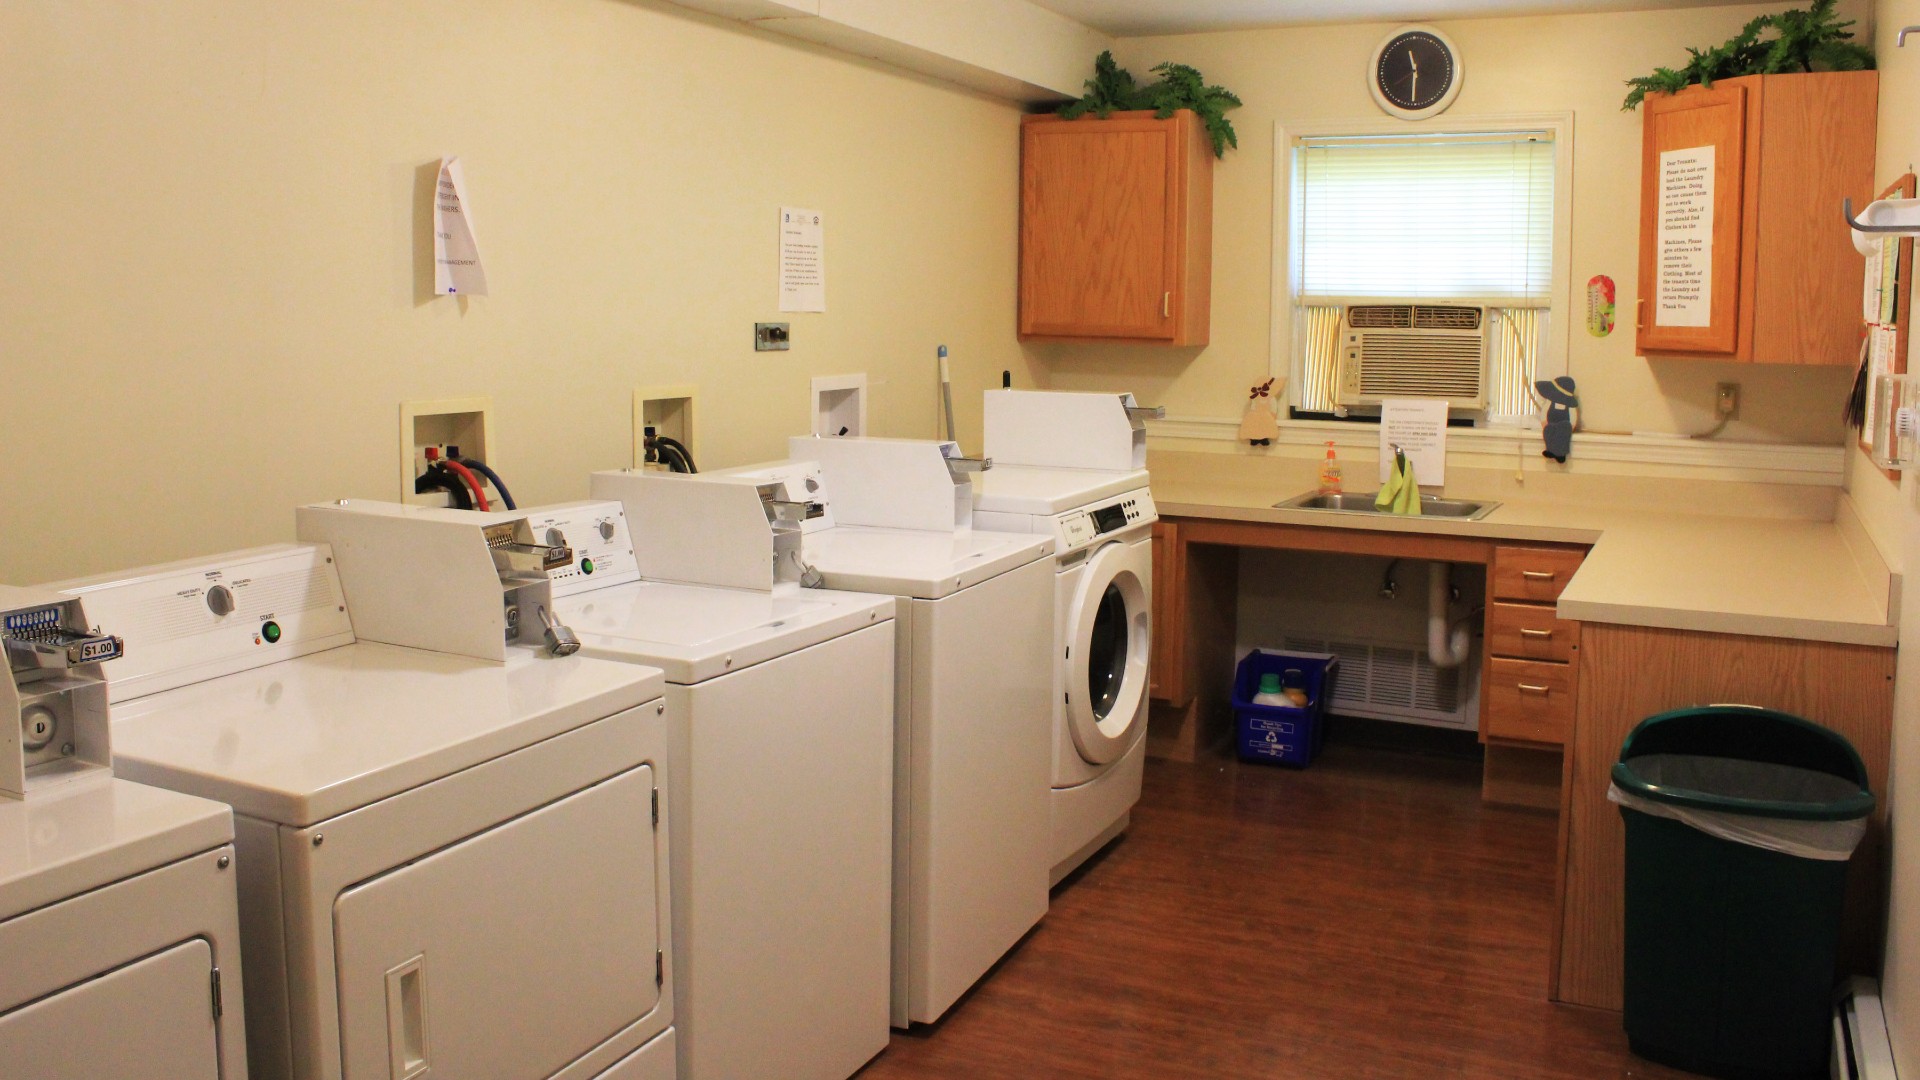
[{"x": 1366, "y": 917}]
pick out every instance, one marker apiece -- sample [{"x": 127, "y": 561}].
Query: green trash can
[{"x": 1740, "y": 822}]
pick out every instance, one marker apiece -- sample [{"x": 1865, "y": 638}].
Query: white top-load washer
[
  {"x": 118, "y": 918},
  {"x": 782, "y": 760},
  {"x": 450, "y": 863},
  {"x": 1072, "y": 466},
  {"x": 970, "y": 749}
]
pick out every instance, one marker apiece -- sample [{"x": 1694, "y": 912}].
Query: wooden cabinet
[
  {"x": 1529, "y": 675},
  {"x": 1527, "y": 689},
  {"x": 1166, "y": 659},
  {"x": 1770, "y": 276},
  {"x": 1116, "y": 229}
]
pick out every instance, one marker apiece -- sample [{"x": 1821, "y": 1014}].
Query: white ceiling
[{"x": 1128, "y": 18}]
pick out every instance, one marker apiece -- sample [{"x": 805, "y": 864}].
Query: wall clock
[{"x": 1415, "y": 73}]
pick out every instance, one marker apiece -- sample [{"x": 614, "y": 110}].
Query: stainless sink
[{"x": 1355, "y": 503}]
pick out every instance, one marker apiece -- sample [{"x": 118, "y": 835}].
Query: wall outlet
[
  {"x": 1726, "y": 400},
  {"x": 774, "y": 336}
]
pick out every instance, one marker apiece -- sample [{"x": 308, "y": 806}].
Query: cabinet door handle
[
  {"x": 1537, "y": 575},
  {"x": 1529, "y": 688},
  {"x": 1166, "y": 305},
  {"x": 1528, "y": 631}
]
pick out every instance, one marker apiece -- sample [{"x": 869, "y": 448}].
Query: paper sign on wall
[
  {"x": 1420, "y": 429},
  {"x": 1684, "y": 242},
  {"x": 803, "y": 260},
  {"x": 456, "y": 255}
]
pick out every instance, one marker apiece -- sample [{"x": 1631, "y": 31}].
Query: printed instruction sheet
[
  {"x": 1420, "y": 429},
  {"x": 1684, "y": 244},
  {"x": 803, "y": 260},
  {"x": 456, "y": 254}
]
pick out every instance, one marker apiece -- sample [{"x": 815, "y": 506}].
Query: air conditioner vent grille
[
  {"x": 1380, "y": 316},
  {"x": 1404, "y": 365},
  {"x": 1446, "y": 318}
]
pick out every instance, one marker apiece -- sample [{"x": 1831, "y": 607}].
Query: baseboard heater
[
  {"x": 1394, "y": 681},
  {"x": 1860, "y": 1047}
]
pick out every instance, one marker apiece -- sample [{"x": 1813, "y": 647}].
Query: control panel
[
  {"x": 1087, "y": 525},
  {"x": 596, "y": 533},
  {"x": 53, "y": 702},
  {"x": 186, "y": 622}
]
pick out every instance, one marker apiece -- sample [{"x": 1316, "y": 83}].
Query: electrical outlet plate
[
  {"x": 668, "y": 410},
  {"x": 772, "y": 337},
  {"x": 1726, "y": 400},
  {"x": 461, "y": 422},
  {"x": 840, "y": 405}
]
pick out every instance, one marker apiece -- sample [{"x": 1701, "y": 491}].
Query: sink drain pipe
[{"x": 1446, "y": 647}]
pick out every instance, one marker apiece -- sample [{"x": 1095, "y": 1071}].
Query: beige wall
[
  {"x": 1512, "y": 65},
  {"x": 212, "y": 216},
  {"x": 1888, "y": 509}
]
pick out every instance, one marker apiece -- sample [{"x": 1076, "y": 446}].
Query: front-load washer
[
  {"x": 1102, "y": 523},
  {"x": 118, "y": 918},
  {"x": 782, "y": 758},
  {"x": 971, "y": 752},
  {"x": 448, "y": 866}
]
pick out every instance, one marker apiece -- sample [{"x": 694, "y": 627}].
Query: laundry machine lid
[
  {"x": 1028, "y": 489},
  {"x": 90, "y": 832},
  {"x": 300, "y": 741},
  {"x": 926, "y": 564},
  {"x": 699, "y": 632}
]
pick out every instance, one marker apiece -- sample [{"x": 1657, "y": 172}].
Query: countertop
[{"x": 1722, "y": 558}]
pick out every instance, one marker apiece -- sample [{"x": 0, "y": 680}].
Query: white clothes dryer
[
  {"x": 1102, "y": 525},
  {"x": 448, "y": 866},
  {"x": 118, "y": 917},
  {"x": 971, "y": 748},
  {"x": 782, "y": 758}
]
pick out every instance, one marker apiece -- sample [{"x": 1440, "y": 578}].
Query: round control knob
[
  {"x": 606, "y": 530},
  {"x": 556, "y": 538},
  {"x": 220, "y": 600},
  {"x": 38, "y": 726}
]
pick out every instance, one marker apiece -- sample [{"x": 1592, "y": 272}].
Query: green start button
[{"x": 270, "y": 631}]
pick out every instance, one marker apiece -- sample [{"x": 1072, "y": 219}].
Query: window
[{"x": 1461, "y": 218}]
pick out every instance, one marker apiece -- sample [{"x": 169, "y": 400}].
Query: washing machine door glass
[
  {"x": 1106, "y": 656},
  {"x": 1107, "y": 652}
]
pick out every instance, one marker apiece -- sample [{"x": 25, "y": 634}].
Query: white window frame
[{"x": 1282, "y": 360}]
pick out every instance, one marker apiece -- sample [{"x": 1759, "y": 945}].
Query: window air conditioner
[{"x": 1411, "y": 350}]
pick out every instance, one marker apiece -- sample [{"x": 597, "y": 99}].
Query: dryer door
[
  {"x": 510, "y": 953},
  {"x": 153, "y": 1017},
  {"x": 1106, "y": 661}
]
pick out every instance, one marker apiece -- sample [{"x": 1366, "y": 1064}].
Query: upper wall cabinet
[
  {"x": 1116, "y": 229},
  {"x": 1743, "y": 253}
]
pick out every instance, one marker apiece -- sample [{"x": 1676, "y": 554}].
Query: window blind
[{"x": 1466, "y": 217}]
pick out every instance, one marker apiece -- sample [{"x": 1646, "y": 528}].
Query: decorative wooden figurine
[
  {"x": 1258, "y": 427},
  {"x": 1562, "y": 416}
]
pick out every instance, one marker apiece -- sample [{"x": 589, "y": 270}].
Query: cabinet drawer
[
  {"x": 1528, "y": 699},
  {"x": 1529, "y": 631},
  {"x": 1539, "y": 574}
]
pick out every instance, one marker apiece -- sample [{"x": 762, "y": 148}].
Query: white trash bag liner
[{"x": 1736, "y": 779}]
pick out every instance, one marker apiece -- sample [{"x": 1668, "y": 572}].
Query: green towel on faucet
[{"x": 1401, "y": 493}]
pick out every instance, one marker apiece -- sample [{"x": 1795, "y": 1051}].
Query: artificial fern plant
[
  {"x": 1795, "y": 40},
  {"x": 1113, "y": 89}
]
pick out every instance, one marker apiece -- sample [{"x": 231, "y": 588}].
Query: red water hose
[{"x": 479, "y": 495}]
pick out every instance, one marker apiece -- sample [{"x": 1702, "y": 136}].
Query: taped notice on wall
[{"x": 456, "y": 254}]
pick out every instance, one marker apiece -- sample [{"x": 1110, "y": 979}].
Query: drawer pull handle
[
  {"x": 1537, "y": 575},
  {"x": 1529, "y": 688},
  {"x": 1528, "y": 631}
]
